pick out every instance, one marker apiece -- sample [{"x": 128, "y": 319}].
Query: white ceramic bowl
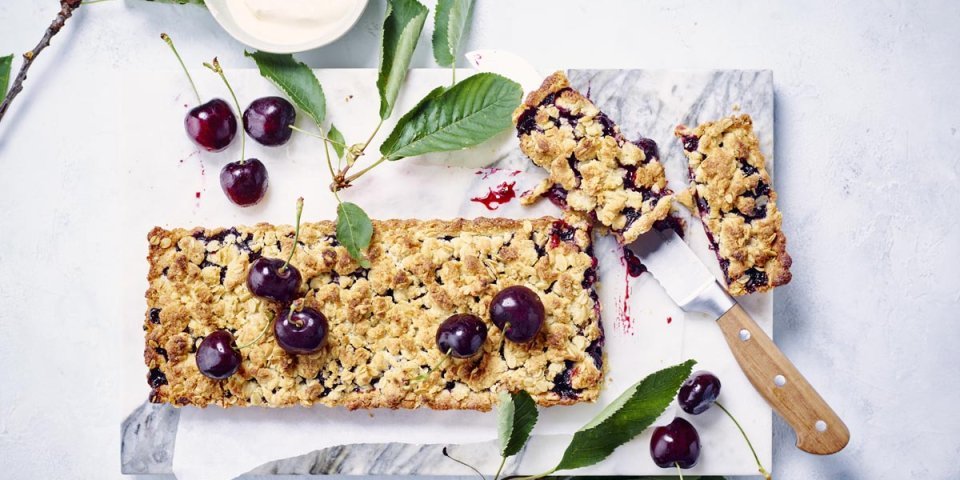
[{"x": 324, "y": 35}]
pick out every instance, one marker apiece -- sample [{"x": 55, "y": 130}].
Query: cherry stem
[
  {"x": 680, "y": 473},
  {"x": 424, "y": 376},
  {"x": 296, "y": 235},
  {"x": 166, "y": 38},
  {"x": 243, "y": 138},
  {"x": 365, "y": 170},
  {"x": 503, "y": 462},
  {"x": 465, "y": 464},
  {"x": 763, "y": 471},
  {"x": 317, "y": 135},
  {"x": 370, "y": 138},
  {"x": 262, "y": 333}
]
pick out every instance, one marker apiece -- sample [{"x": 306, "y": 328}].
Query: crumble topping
[
  {"x": 382, "y": 320},
  {"x": 593, "y": 169},
  {"x": 737, "y": 203}
]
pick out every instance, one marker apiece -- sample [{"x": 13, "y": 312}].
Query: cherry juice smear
[
  {"x": 494, "y": 198},
  {"x": 486, "y": 172},
  {"x": 634, "y": 267}
]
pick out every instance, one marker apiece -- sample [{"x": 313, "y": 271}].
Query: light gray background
[{"x": 867, "y": 142}]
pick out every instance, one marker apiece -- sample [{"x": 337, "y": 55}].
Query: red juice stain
[
  {"x": 634, "y": 267},
  {"x": 198, "y": 195},
  {"x": 669, "y": 320},
  {"x": 561, "y": 231},
  {"x": 494, "y": 198}
]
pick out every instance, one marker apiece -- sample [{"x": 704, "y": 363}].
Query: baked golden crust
[
  {"x": 593, "y": 168},
  {"x": 737, "y": 203},
  {"x": 382, "y": 320}
]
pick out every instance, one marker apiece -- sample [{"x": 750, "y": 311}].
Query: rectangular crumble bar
[
  {"x": 593, "y": 169},
  {"x": 382, "y": 320},
  {"x": 737, "y": 203}
]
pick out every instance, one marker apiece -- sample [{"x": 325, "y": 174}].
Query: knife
[{"x": 694, "y": 289}]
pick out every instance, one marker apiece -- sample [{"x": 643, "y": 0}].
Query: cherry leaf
[
  {"x": 516, "y": 417},
  {"x": 401, "y": 30},
  {"x": 354, "y": 231},
  {"x": 450, "y": 20}
]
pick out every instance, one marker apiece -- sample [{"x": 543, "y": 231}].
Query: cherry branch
[{"x": 66, "y": 11}]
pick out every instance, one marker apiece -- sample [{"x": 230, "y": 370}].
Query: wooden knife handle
[{"x": 819, "y": 429}]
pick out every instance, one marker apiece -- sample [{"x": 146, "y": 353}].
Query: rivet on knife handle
[{"x": 819, "y": 429}]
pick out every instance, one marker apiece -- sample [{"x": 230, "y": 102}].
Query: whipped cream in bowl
[{"x": 286, "y": 26}]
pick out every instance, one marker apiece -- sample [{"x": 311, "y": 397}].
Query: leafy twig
[{"x": 66, "y": 11}]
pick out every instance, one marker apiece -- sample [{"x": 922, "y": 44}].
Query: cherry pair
[{"x": 516, "y": 310}]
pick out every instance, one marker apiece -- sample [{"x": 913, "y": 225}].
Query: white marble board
[{"x": 170, "y": 183}]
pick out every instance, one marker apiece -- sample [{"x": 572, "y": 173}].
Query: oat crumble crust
[
  {"x": 737, "y": 203},
  {"x": 593, "y": 168},
  {"x": 382, "y": 320}
]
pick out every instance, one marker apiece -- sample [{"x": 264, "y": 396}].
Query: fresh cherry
[
  {"x": 517, "y": 311},
  {"x": 300, "y": 330},
  {"x": 698, "y": 392},
  {"x": 244, "y": 182},
  {"x": 212, "y": 125},
  {"x": 276, "y": 279},
  {"x": 461, "y": 335},
  {"x": 218, "y": 356},
  {"x": 675, "y": 444},
  {"x": 268, "y": 120}
]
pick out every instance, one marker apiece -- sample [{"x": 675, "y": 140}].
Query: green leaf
[
  {"x": 401, "y": 30},
  {"x": 449, "y": 22},
  {"x": 354, "y": 231},
  {"x": 459, "y": 117},
  {"x": 337, "y": 137},
  {"x": 5, "y": 64},
  {"x": 295, "y": 79},
  {"x": 629, "y": 415},
  {"x": 516, "y": 417}
]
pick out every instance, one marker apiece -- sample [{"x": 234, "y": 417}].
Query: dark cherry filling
[
  {"x": 746, "y": 168},
  {"x": 690, "y": 142},
  {"x": 755, "y": 279},
  {"x": 595, "y": 350},
  {"x": 156, "y": 378},
  {"x": 162, "y": 352},
  {"x": 572, "y": 161},
  {"x": 527, "y": 122},
  {"x": 561, "y": 231},
  {"x": 450, "y": 385},
  {"x": 608, "y": 125},
  {"x": 589, "y": 277},
  {"x": 632, "y": 215},
  {"x": 650, "y": 149},
  {"x": 670, "y": 223},
  {"x": 562, "y": 383},
  {"x": 155, "y": 315},
  {"x": 635, "y": 267},
  {"x": 557, "y": 195}
]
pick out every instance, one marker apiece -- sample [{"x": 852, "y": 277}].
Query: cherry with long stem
[
  {"x": 296, "y": 236},
  {"x": 166, "y": 38},
  {"x": 215, "y": 67},
  {"x": 756, "y": 457}
]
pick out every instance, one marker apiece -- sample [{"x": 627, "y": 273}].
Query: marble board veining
[{"x": 174, "y": 184}]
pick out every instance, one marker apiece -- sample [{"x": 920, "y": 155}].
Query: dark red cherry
[
  {"x": 300, "y": 331},
  {"x": 211, "y": 125},
  {"x": 268, "y": 120},
  {"x": 676, "y": 443},
  {"x": 698, "y": 392},
  {"x": 519, "y": 312},
  {"x": 461, "y": 335},
  {"x": 245, "y": 183},
  {"x": 218, "y": 356},
  {"x": 267, "y": 278}
]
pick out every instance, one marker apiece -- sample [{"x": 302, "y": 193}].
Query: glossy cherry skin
[
  {"x": 268, "y": 120},
  {"x": 461, "y": 335},
  {"x": 266, "y": 278},
  {"x": 245, "y": 183},
  {"x": 301, "y": 332},
  {"x": 218, "y": 356},
  {"x": 522, "y": 309},
  {"x": 698, "y": 392},
  {"x": 675, "y": 443},
  {"x": 211, "y": 125}
]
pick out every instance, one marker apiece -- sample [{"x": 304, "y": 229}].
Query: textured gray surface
[{"x": 868, "y": 130}]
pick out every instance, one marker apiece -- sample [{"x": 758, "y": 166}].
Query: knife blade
[{"x": 694, "y": 289}]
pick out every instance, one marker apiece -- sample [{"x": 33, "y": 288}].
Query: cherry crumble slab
[
  {"x": 382, "y": 319},
  {"x": 737, "y": 203}
]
